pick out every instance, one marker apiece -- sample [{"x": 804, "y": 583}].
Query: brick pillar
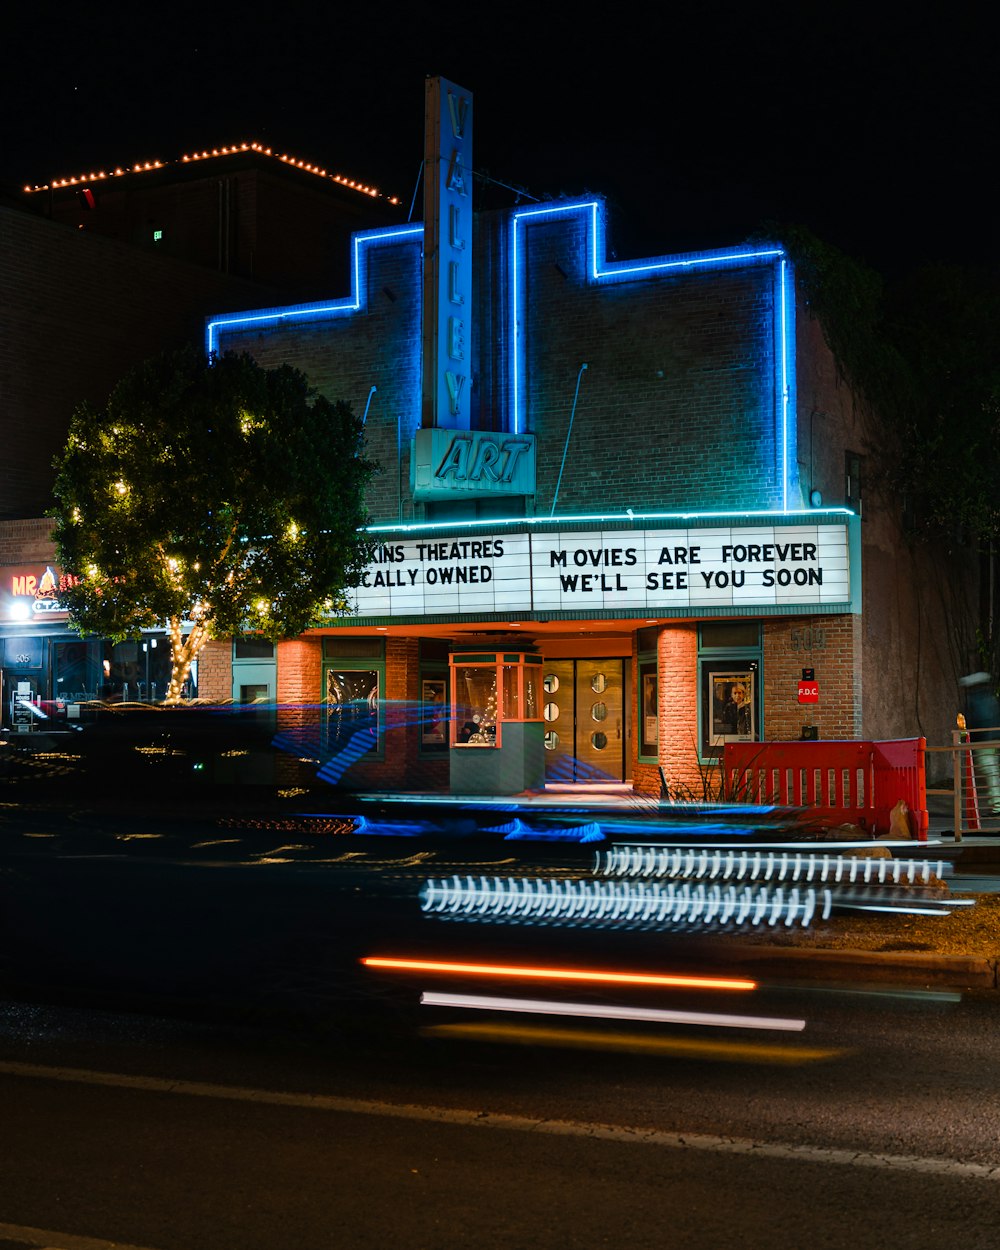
[
  {"x": 677, "y": 695},
  {"x": 299, "y": 677},
  {"x": 677, "y": 712}
]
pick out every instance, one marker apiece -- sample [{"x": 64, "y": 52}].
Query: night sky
[{"x": 876, "y": 129}]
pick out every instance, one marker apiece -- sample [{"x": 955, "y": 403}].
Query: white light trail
[
  {"x": 654, "y": 1015},
  {"x": 651, "y": 860},
  {"x": 622, "y": 903}
]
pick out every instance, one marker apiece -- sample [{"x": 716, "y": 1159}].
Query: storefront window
[
  {"x": 476, "y": 704},
  {"x": 433, "y": 709},
  {"x": 729, "y": 664},
  {"x": 433, "y": 712},
  {"x": 352, "y": 710},
  {"x": 649, "y": 729},
  {"x": 137, "y": 670},
  {"x": 252, "y": 649},
  {"x": 77, "y": 670}
]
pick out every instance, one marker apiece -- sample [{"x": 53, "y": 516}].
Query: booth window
[
  {"x": 353, "y": 685},
  {"x": 729, "y": 672},
  {"x": 488, "y": 689}
]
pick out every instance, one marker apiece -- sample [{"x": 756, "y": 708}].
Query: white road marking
[{"x": 510, "y": 1123}]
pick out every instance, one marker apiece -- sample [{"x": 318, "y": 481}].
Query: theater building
[
  {"x": 619, "y": 519},
  {"x": 597, "y": 557}
]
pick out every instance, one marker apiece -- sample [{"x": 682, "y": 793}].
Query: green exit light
[{"x": 157, "y": 235}]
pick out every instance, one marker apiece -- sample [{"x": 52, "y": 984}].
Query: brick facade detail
[
  {"x": 830, "y": 646},
  {"x": 27, "y": 541},
  {"x": 215, "y": 671}
]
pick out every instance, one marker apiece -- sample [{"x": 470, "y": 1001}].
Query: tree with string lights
[{"x": 213, "y": 497}]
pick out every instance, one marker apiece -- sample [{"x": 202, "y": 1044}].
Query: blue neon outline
[
  {"x": 617, "y": 517},
  {"x": 354, "y": 303},
  {"x": 600, "y": 270},
  {"x": 785, "y": 345}
]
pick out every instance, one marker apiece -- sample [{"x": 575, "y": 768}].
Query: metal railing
[{"x": 975, "y": 773}]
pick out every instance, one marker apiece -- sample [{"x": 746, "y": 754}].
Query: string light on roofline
[{"x": 209, "y": 154}]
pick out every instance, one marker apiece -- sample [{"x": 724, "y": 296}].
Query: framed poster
[
  {"x": 649, "y": 724},
  {"x": 434, "y": 712},
  {"x": 731, "y": 712}
]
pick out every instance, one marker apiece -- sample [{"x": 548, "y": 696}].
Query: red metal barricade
[{"x": 855, "y": 783}]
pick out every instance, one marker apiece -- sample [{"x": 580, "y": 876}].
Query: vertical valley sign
[{"x": 447, "y": 278}]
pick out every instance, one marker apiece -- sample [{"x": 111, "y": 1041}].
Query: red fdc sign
[{"x": 808, "y": 691}]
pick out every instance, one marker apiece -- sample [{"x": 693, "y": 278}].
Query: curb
[{"x": 960, "y": 971}]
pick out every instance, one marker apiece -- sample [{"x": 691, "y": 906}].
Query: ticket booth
[{"x": 497, "y": 735}]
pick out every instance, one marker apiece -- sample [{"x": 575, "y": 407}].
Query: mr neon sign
[{"x": 31, "y": 592}]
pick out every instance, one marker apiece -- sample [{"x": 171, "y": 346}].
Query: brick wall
[
  {"x": 27, "y": 541},
  {"x": 346, "y": 355},
  {"x": 828, "y": 644},
  {"x": 677, "y": 695},
  {"x": 677, "y": 406},
  {"x": 683, "y": 365},
  {"x": 215, "y": 670},
  {"x": 831, "y": 646},
  {"x": 76, "y": 312},
  {"x": 300, "y": 676}
]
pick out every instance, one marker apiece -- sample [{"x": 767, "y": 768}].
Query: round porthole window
[
  {"x": 551, "y": 711},
  {"x": 599, "y": 740},
  {"x": 550, "y": 683},
  {"x": 599, "y": 711},
  {"x": 551, "y": 740},
  {"x": 598, "y": 683}
]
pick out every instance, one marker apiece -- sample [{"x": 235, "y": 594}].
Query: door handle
[{"x": 618, "y": 727}]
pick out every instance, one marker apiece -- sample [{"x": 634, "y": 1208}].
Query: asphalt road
[
  {"x": 266, "y": 1089},
  {"x": 877, "y": 1126}
]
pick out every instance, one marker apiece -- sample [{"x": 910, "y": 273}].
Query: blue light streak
[{"x": 355, "y": 302}]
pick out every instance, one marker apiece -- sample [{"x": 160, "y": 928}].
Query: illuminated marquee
[{"x": 615, "y": 572}]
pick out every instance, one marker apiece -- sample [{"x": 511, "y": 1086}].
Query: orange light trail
[{"x": 597, "y": 975}]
